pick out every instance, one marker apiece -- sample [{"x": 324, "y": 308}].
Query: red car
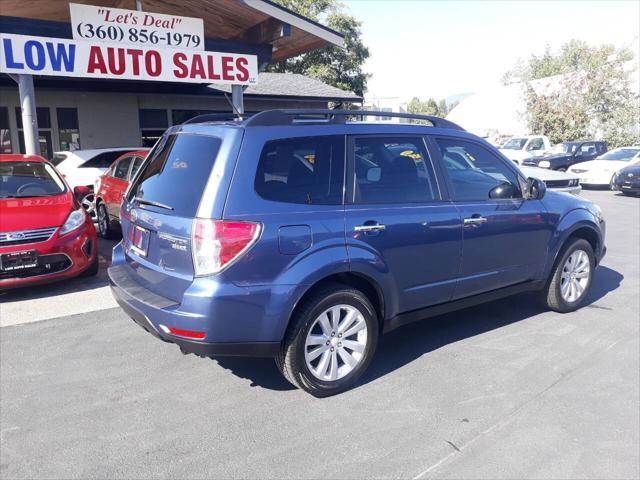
[
  {"x": 110, "y": 188},
  {"x": 45, "y": 234}
]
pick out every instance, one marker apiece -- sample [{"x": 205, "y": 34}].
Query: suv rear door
[
  {"x": 396, "y": 217},
  {"x": 158, "y": 214}
]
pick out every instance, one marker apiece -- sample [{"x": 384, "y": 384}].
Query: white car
[
  {"x": 600, "y": 172},
  {"x": 83, "y": 167},
  {"x": 519, "y": 148},
  {"x": 556, "y": 181}
]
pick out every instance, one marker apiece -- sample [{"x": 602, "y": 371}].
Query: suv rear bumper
[{"x": 141, "y": 305}]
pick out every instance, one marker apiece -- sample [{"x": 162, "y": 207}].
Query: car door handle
[
  {"x": 370, "y": 228},
  {"x": 475, "y": 220}
]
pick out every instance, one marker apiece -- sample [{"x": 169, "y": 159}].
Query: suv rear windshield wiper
[{"x": 142, "y": 201}]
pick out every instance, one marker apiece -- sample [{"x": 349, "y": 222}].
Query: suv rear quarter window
[{"x": 302, "y": 170}]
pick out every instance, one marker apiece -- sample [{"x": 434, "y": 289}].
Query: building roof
[
  {"x": 292, "y": 85},
  {"x": 244, "y": 21},
  {"x": 270, "y": 85}
]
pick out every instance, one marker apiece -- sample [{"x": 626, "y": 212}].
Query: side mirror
[
  {"x": 536, "y": 189},
  {"x": 80, "y": 192},
  {"x": 504, "y": 190}
]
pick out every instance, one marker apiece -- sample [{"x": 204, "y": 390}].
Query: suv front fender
[{"x": 579, "y": 219}]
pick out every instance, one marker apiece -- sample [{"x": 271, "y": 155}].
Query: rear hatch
[{"x": 162, "y": 202}]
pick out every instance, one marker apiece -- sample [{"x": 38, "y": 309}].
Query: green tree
[
  {"x": 595, "y": 98},
  {"x": 427, "y": 107},
  {"x": 337, "y": 66}
]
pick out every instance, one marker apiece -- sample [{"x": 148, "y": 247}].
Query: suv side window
[
  {"x": 475, "y": 171},
  {"x": 393, "y": 170},
  {"x": 102, "y": 160},
  {"x": 302, "y": 170},
  {"x": 122, "y": 168}
]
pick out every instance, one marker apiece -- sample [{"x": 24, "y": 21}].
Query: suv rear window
[
  {"x": 302, "y": 170},
  {"x": 178, "y": 172}
]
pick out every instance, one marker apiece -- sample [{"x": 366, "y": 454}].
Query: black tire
[
  {"x": 630, "y": 194},
  {"x": 291, "y": 358},
  {"x": 105, "y": 227},
  {"x": 552, "y": 293},
  {"x": 92, "y": 271}
]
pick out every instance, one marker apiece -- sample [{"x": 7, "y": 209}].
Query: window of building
[
  {"x": 5, "y": 131},
  {"x": 475, "y": 172},
  {"x": 181, "y": 116},
  {"x": 302, "y": 170},
  {"x": 153, "y": 123},
  {"x": 44, "y": 132},
  {"x": 68, "y": 129},
  {"x": 393, "y": 170}
]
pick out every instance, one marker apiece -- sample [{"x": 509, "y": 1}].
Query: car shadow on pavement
[{"x": 410, "y": 342}]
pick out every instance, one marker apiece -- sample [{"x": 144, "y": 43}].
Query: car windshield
[
  {"x": 564, "y": 148},
  {"x": 515, "y": 144},
  {"x": 29, "y": 179},
  {"x": 622, "y": 154}
]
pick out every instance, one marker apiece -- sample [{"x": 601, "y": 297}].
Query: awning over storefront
[{"x": 242, "y": 21}]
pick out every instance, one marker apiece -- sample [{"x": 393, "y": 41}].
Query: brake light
[
  {"x": 218, "y": 243},
  {"x": 183, "y": 333}
]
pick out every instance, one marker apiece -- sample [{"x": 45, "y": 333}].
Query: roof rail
[
  {"x": 216, "y": 117},
  {"x": 292, "y": 116}
]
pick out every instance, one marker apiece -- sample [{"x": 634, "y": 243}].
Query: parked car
[
  {"x": 627, "y": 180},
  {"x": 297, "y": 235},
  {"x": 45, "y": 234},
  {"x": 519, "y": 148},
  {"x": 600, "y": 172},
  {"x": 554, "y": 180},
  {"x": 557, "y": 181},
  {"x": 83, "y": 167},
  {"x": 109, "y": 189},
  {"x": 568, "y": 153}
]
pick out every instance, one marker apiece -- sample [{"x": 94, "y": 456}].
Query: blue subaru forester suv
[{"x": 304, "y": 234}]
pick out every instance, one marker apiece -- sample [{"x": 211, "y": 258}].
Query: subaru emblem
[{"x": 16, "y": 236}]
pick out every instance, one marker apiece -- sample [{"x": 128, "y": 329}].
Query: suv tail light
[{"x": 218, "y": 243}]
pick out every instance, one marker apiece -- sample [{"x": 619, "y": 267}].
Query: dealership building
[{"x": 81, "y": 113}]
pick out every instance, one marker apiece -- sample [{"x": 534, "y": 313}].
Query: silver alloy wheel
[
  {"x": 336, "y": 342},
  {"x": 88, "y": 203},
  {"x": 575, "y": 276},
  {"x": 103, "y": 221}
]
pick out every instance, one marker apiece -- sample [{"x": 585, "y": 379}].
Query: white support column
[
  {"x": 29, "y": 116},
  {"x": 237, "y": 98}
]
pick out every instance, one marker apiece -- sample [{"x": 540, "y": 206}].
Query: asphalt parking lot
[{"x": 503, "y": 390}]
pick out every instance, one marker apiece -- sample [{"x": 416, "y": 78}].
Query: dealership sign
[
  {"x": 97, "y": 59},
  {"x": 105, "y": 24}
]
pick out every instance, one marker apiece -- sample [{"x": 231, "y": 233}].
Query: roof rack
[
  {"x": 293, "y": 116},
  {"x": 217, "y": 117}
]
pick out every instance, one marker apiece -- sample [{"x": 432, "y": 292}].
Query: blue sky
[{"x": 442, "y": 48}]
